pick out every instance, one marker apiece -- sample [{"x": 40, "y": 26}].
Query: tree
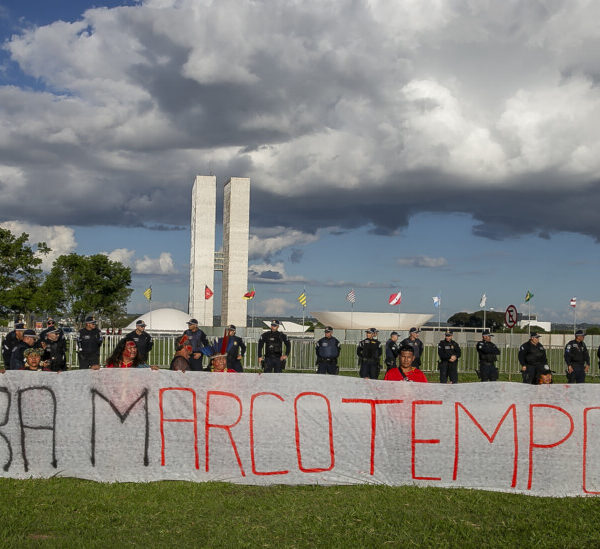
[
  {"x": 78, "y": 285},
  {"x": 20, "y": 272}
]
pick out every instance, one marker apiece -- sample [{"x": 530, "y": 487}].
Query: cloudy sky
[{"x": 418, "y": 145}]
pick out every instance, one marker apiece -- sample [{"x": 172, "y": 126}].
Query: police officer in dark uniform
[
  {"x": 142, "y": 339},
  {"x": 197, "y": 338},
  {"x": 236, "y": 349},
  {"x": 54, "y": 356},
  {"x": 369, "y": 353},
  {"x": 89, "y": 341},
  {"x": 50, "y": 325},
  {"x": 413, "y": 341},
  {"x": 577, "y": 358},
  {"x": 328, "y": 350},
  {"x": 488, "y": 354},
  {"x": 532, "y": 357},
  {"x": 273, "y": 343},
  {"x": 12, "y": 339},
  {"x": 17, "y": 357},
  {"x": 392, "y": 350},
  {"x": 449, "y": 353}
]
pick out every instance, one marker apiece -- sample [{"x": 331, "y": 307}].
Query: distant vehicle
[{"x": 67, "y": 329}]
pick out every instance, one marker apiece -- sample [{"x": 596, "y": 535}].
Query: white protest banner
[{"x": 142, "y": 425}]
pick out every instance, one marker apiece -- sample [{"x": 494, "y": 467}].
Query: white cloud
[
  {"x": 276, "y": 306},
  {"x": 60, "y": 239},
  {"x": 271, "y": 272},
  {"x": 122, "y": 255},
  {"x": 163, "y": 265},
  {"x": 588, "y": 311},
  {"x": 266, "y": 242},
  {"x": 423, "y": 261}
]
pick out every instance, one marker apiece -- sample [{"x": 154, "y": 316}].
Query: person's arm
[
  {"x": 150, "y": 344},
  {"x": 204, "y": 339},
  {"x": 260, "y": 346},
  {"x": 441, "y": 352},
  {"x": 457, "y": 350},
  {"x": 338, "y": 346},
  {"x": 242, "y": 346},
  {"x": 521, "y": 357}
]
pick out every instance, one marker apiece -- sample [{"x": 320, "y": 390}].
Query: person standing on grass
[
  {"x": 449, "y": 353},
  {"x": 197, "y": 338},
  {"x": 369, "y": 355},
  {"x": 417, "y": 345},
  {"x": 328, "y": 350},
  {"x": 17, "y": 357},
  {"x": 236, "y": 349},
  {"x": 276, "y": 348},
  {"x": 488, "y": 355},
  {"x": 391, "y": 351},
  {"x": 12, "y": 339},
  {"x": 532, "y": 356},
  {"x": 406, "y": 371},
  {"x": 89, "y": 341},
  {"x": 143, "y": 340},
  {"x": 577, "y": 358}
]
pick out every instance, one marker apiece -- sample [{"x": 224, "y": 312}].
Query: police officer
[
  {"x": 577, "y": 358},
  {"x": 369, "y": 355},
  {"x": 392, "y": 349},
  {"x": 328, "y": 350},
  {"x": 449, "y": 353},
  {"x": 54, "y": 356},
  {"x": 17, "y": 357},
  {"x": 199, "y": 341},
  {"x": 142, "y": 339},
  {"x": 532, "y": 357},
  {"x": 488, "y": 354},
  {"x": 236, "y": 349},
  {"x": 89, "y": 341},
  {"x": 413, "y": 341},
  {"x": 50, "y": 325},
  {"x": 12, "y": 339},
  {"x": 273, "y": 343}
]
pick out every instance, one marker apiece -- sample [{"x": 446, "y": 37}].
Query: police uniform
[
  {"x": 143, "y": 342},
  {"x": 55, "y": 354},
  {"x": 198, "y": 341},
  {"x": 446, "y": 350},
  {"x": 488, "y": 355},
  {"x": 532, "y": 357},
  {"x": 50, "y": 328},
  {"x": 417, "y": 346},
  {"x": 235, "y": 347},
  {"x": 10, "y": 342},
  {"x": 272, "y": 342},
  {"x": 88, "y": 347},
  {"x": 328, "y": 351},
  {"x": 578, "y": 357},
  {"x": 17, "y": 357},
  {"x": 369, "y": 355},
  {"x": 392, "y": 349}
]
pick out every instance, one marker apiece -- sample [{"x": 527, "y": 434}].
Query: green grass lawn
[{"x": 68, "y": 512}]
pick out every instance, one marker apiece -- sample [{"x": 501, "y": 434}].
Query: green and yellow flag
[
  {"x": 302, "y": 299},
  {"x": 148, "y": 293},
  {"x": 528, "y": 296}
]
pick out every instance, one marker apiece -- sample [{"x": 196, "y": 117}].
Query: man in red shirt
[{"x": 406, "y": 371}]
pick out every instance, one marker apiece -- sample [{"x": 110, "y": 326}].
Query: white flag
[
  {"x": 573, "y": 302},
  {"x": 436, "y": 301},
  {"x": 483, "y": 300}
]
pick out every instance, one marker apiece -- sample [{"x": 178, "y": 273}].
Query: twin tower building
[{"x": 231, "y": 259}]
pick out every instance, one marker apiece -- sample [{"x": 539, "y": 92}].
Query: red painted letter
[
  {"x": 331, "y": 450},
  {"x": 208, "y": 426},
  {"x": 512, "y": 408},
  {"x": 585, "y": 442},
  {"x": 252, "y": 399},
  {"x": 414, "y": 441},
  {"x": 533, "y": 445},
  {"x": 194, "y": 420},
  {"x": 372, "y": 403}
]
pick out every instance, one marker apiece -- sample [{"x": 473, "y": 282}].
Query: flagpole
[
  {"x": 150, "y": 319},
  {"x": 303, "y": 307},
  {"x": 574, "y": 319},
  {"x": 440, "y": 312},
  {"x": 529, "y": 315}
]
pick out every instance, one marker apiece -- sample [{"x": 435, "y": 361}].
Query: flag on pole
[
  {"x": 436, "y": 301},
  {"x": 528, "y": 296},
  {"x": 573, "y": 302},
  {"x": 395, "y": 299},
  {"x": 302, "y": 299},
  {"x": 483, "y": 300},
  {"x": 250, "y": 295},
  {"x": 351, "y": 296},
  {"x": 208, "y": 293},
  {"x": 148, "y": 293}
]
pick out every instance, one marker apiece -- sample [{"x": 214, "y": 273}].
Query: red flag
[
  {"x": 250, "y": 295},
  {"x": 573, "y": 302},
  {"x": 395, "y": 299},
  {"x": 208, "y": 293}
]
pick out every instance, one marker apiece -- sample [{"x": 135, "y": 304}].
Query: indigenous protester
[
  {"x": 328, "y": 351},
  {"x": 183, "y": 351},
  {"x": 532, "y": 355},
  {"x": 197, "y": 339},
  {"x": 276, "y": 347},
  {"x": 449, "y": 353},
  {"x": 577, "y": 358},
  {"x": 235, "y": 349},
  {"x": 33, "y": 360},
  {"x": 406, "y": 371},
  {"x": 143, "y": 340},
  {"x": 217, "y": 353},
  {"x": 488, "y": 355},
  {"x": 89, "y": 341},
  {"x": 543, "y": 376},
  {"x": 12, "y": 339},
  {"x": 54, "y": 356},
  {"x": 369, "y": 355},
  {"x": 392, "y": 347},
  {"x": 17, "y": 358},
  {"x": 125, "y": 355},
  {"x": 417, "y": 345}
]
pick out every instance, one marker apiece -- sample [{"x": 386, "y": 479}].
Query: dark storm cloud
[{"x": 344, "y": 115}]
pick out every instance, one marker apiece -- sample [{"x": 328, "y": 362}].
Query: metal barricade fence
[{"x": 302, "y": 357}]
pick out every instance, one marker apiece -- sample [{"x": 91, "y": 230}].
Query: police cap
[
  {"x": 231, "y": 327},
  {"x": 90, "y": 320},
  {"x": 19, "y": 326},
  {"x": 328, "y": 329},
  {"x": 534, "y": 334},
  {"x": 29, "y": 333},
  {"x": 274, "y": 322},
  {"x": 192, "y": 321},
  {"x": 487, "y": 333},
  {"x": 393, "y": 334},
  {"x": 580, "y": 333},
  {"x": 414, "y": 331}
]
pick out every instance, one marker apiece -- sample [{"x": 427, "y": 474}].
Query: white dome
[{"x": 163, "y": 320}]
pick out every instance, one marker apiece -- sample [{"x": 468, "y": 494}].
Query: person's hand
[
  {"x": 452, "y": 358},
  {"x": 197, "y": 355},
  {"x": 260, "y": 359},
  {"x": 587, "y": 368},
  {"x": 283, "y": 357},
  {"x": 523, "y": 368},
  {"x": 2, "y": 370},
  {"x": 95, "y": 367},
  {"x": 154, "y": 368},
  {"x": 570, "y": 369},
  {"x": 239, "y": 357}
]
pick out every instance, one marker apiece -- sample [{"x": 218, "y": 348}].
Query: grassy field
[{"x": 76, "y": 513}]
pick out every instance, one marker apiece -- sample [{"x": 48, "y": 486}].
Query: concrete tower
[
  {"x": 236, "y": 224},
  {"x": 202, "y": 251}
]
